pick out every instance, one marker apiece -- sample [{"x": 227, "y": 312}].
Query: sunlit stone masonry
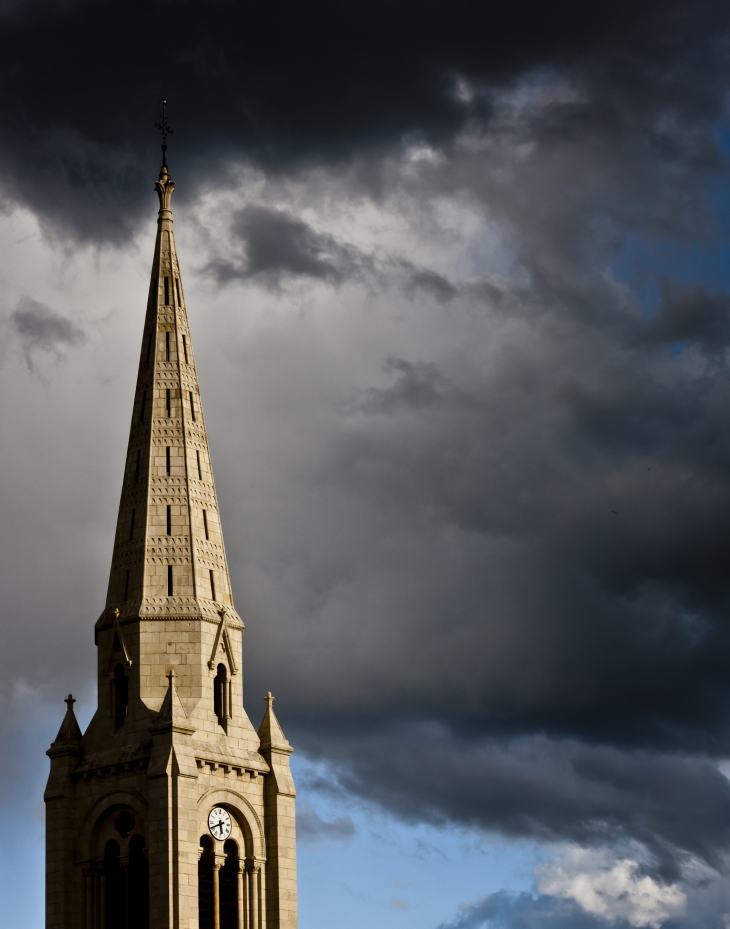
[{"x": 170, "y": 811}]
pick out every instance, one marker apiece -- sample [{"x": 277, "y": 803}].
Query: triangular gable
[
  {"x": 118, "y": 637},
  {"x": 222, "y": 634}
]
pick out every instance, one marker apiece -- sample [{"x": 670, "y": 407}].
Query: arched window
[
  {"x": 139, "y": 884},
  {"x": 115, "y": 895},
  {"x": 121, "y": 696},
  {"x": 222, "y": 695},
  {"x": 228, "y": 884},
  {"x": 206, "y": 918}
]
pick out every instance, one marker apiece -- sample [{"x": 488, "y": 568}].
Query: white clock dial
[{"x": 219, "y": 823}]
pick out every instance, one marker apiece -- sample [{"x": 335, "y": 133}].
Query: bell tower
[{"x": 171, "y": 811}]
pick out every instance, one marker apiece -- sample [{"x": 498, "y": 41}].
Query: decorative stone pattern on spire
[{"x": 128, "y": 802}]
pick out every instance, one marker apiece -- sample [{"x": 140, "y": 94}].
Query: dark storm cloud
[
  {"x": 689, "y": 314},
  {"x": 42, "y": 329},
  {"x": 547, "y": 512},
  {"x": 278, "y": 244},
  {"x": 523, "y": 526},
  {"x": 547, "y": 790},
  {"x": 302, "y": 83}
]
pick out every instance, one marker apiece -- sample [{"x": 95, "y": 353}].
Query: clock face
[{"x": 219, "y": 823}]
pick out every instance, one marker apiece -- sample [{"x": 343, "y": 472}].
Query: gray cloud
[
  {"x": 507, "y": 911},
  {"x": 278, "y": 244},
  {"x": 689, "y": 314},
  {"x": 707, "y": 900},
  {"x": 245, "y": 84},
  {"x": 41, "y": 329},
  {"x": 547, "y": 789},
  {"x": 476, "y": 506}
]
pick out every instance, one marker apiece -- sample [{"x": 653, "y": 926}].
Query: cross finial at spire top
[
  {"x": 69, "y": 701},
  {"x": 165, "y": 130},
  {"x": 269, "y": 698}
]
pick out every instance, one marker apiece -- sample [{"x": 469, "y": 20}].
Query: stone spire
[{"x": 169, "y": 557}]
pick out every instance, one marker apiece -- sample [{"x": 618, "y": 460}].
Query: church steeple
[{"x": 170, "y": 811}]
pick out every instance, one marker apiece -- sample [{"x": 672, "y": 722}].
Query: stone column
[
  {"x": 88, "y": 872},
  {"x": 216, "y": 894},
  {"x": 96, "y": 914},
  {"x": 262, "y": 896},
  {"x": 124, "y": 866},
  {"x": 102, "y": 900},
  {"x": 253, "y": 894},
  {"x": 241, "y": 898}
]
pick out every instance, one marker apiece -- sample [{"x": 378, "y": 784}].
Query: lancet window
[
  {"x": 120, "y": 696},
  {"x": 222, "y": 694}
]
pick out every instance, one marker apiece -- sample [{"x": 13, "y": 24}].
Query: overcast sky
[{"x": 458, "y": 283}]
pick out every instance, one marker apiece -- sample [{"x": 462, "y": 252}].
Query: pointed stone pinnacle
[
  {"x": 171, "y": 715},
  {"x": 270, "y": 732},
  {"x": 69, "y": 733}
]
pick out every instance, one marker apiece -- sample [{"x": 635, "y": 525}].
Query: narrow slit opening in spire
[
  {"x": 126, "y": 585},
  {"x": 167, "y": 459},
  {"x": 212, "y": 585},
  {"x": 205, "y": 523},
  {"x": 167, "y": 344},
  {"x": 139, "y": 462},
  {"x": 142, "y": 406},
  {"x": 169, "y": 580},
  {"x": 192, "y": 405},
  {"x": 131, "y": 525},
  {"x": 200, "y": 473},
  {"x": 167, "y": 401},
  {"x": 167, "y": 291},
  {"x": 185, "y": 349},
  {"x": 177, "y": 288},
  {"x": 169, "y": 519}
]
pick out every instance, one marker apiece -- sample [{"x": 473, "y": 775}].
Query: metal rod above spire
[{"x": 165, "y": 129}]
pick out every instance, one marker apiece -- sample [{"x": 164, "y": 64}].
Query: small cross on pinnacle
[
  {"x": 69, "y": 701},
  {"x": 164, "y": 128},
  {"x": 269, "y": 698}
]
